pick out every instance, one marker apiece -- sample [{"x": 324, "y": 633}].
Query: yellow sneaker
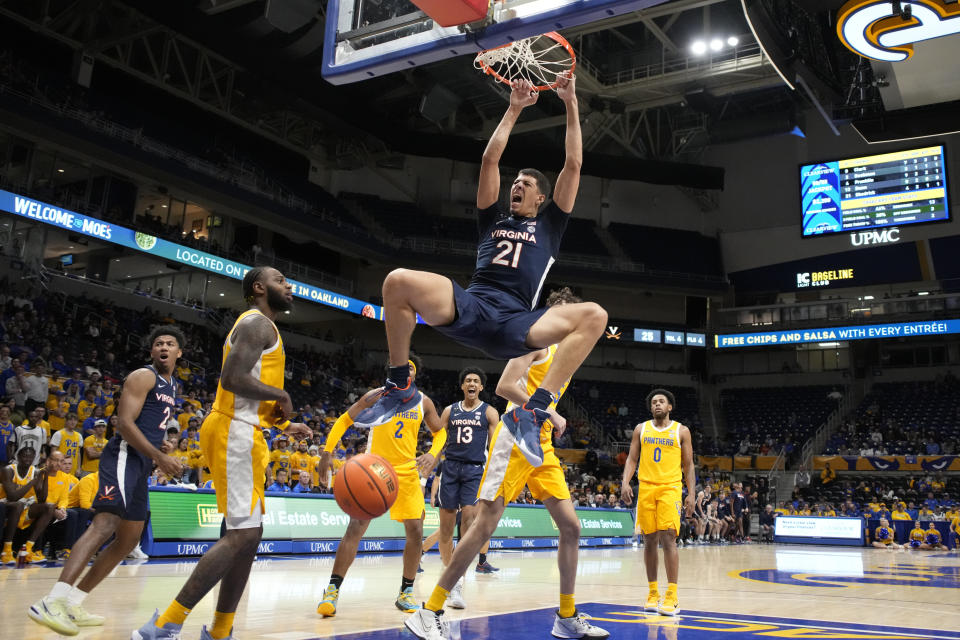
[
  {"x": 37, "y": 556},
  {"x": 328, "y": 606},
  {"x": 7, "y": 558},
  {"x": 83, "y": 618},
  {"x": 670, "y": 605},
  {"x": 53, "y": 614},
  {"x": 406, "y": 602},
  {"x": 653, "y": 602}
]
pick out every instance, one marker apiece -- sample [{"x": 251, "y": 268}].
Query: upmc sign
[{"x": 885, "y": 236}]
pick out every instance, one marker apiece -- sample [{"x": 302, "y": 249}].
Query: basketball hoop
[{"x": 540, "y": 59}]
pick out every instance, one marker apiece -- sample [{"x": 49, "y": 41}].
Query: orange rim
[{"x": 553, "y": 35}]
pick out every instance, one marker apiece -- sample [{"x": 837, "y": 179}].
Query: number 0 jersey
[
  {"x": 660, "y": 454},
  {"x": 467, "y": 433},
  {"x": 396, "y": 439},
  {"x": 515, "y": 253},
  {"x": 268, "y": 370}
]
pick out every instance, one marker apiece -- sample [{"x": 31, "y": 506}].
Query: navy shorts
[
  {"x": 491, "y": 321},
  {"x": 459, "y": 484},
  {"x": 123, "y": 481}
]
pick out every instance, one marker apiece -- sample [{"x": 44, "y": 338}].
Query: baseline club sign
[
  {"x": 109, "y": 232},
  {"x": 835, "y": 334}
]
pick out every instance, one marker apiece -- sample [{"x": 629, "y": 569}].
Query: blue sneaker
[
  {"x": 151, "y": 631},
  {"x": 525, "y": 424},
  {"x": 392, "y": 400},
  {"x": 486, "y": 567},
  {"x": 205, "y": 635}
]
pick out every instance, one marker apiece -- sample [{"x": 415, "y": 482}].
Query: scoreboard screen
[{"x": 884, "y": 190}]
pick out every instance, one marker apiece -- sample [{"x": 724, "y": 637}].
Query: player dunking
[
  {"x": 467, "y": 424},
  {"x": 397, "y": 442},
  {"x": 665, "y": 453},
  {"x": 121, "y": 503},
  {"x": 250, "y": 397},
  {"x": 504, "y": 477},
  {"x": 497, "y": 313}
]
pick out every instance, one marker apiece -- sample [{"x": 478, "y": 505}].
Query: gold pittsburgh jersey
[
  {"x": 917, "y": 535},
  {"x": 69, "y": 445},
  {"x": 883, "y": 535},
  {"x": 268, "y": 370},
  {"x": 30, "y": 496},
  {"x": 660, "y": 460},
  {"x": 396, "y": 440},
  {"x": 535, "y": 374},
  {"x": 933, "y": 535}
]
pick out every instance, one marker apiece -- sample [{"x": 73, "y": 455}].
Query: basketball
[{"x": 366, "y": 487}]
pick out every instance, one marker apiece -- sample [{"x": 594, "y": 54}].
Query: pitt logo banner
[{"x": 870, "y": 28}]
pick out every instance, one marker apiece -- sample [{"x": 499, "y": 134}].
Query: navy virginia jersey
[
  {"x": 157, "y": 408},
  {"x": 467, "y": 433},
  {"x": 515, "y": 253}
]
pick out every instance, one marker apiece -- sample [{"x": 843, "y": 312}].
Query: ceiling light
[
  {"x": 923, "y": 293},
  {"x": 868, "y": 297},
  {"x": 164, "y": 206},
  {"x": 716, "y": 44},
  {"x": 698, "y": 48},
  {"x": 59, "y": 170},
  {"x": 733, "y": 41},
  {"x": 222, "y": 294},
  {"x": 70, "y": 247},
  {"x": 828, "y": 344}
]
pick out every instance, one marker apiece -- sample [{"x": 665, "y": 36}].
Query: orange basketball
[{"x": 366, "y": 486}]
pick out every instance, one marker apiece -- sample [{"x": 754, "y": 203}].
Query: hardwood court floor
[{"x": 757, "y": 590}]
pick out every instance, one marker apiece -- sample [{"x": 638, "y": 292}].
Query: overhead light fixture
[
  {"x": 828, "y": 344},
  {"x": 923, "y": 293},
  {"x": 716, "y": 44},
  {"x": 222, "y": 294},
  {"x": 698, "y": 48},
  {"x": 733, "y": 41},
  {"x": 164, "y": 206},
  {"x": 70, "y": 247},
  {"x": 59, "y": 170},
  {"x": 868, "y": 297}
]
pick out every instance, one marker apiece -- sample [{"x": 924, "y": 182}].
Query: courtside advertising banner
[
  {"x": 116, "y": 234},
  {"x": 185, "y": 515},
  {"x": 817, "y": 530}
]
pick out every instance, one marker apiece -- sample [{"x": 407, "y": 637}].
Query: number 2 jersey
[
  {"x": 158, "y": 406},
  {"x": 396, "y": 439},
  {"x": 516, "y": 253},
  {"x": 467, "y": 434},
  {"x": 660, "y": 454}
]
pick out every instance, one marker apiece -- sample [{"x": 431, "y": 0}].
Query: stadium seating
[
  {"x": 773, "y": 416},
  {"x": 669, "y": 249},
  {"x": 911, "y": 418}
]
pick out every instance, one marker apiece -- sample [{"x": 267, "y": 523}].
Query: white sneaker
[
  {"x": 576, "y": 626},
  {"x": 455, "y": 597},
  {"x": 428, "y": 625},
  {"x": 83, "y": 618},
  {"x": 138, "y": 554}
]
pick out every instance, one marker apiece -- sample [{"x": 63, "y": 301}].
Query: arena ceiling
[{"x": 227, "y": 58}]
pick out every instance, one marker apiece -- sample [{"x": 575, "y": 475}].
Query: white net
[{"x": 539, "y": 59}]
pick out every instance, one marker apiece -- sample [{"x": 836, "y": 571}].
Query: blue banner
[
  {"x": 838, "y": 334},
  {"x": 109, "y": 232},
  {"x": 373, "y": 545}
]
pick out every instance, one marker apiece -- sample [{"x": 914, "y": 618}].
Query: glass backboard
[{"x": 369, "y": 38}]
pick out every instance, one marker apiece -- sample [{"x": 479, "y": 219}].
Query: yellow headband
[{"x": 412, "y": 366}]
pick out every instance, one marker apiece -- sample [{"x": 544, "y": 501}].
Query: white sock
[
  {"x": 60, "y": 590},
  {"x": 76, "y": 597}
]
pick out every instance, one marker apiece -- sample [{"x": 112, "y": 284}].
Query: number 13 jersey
[{"x": 467, "y": 434}]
